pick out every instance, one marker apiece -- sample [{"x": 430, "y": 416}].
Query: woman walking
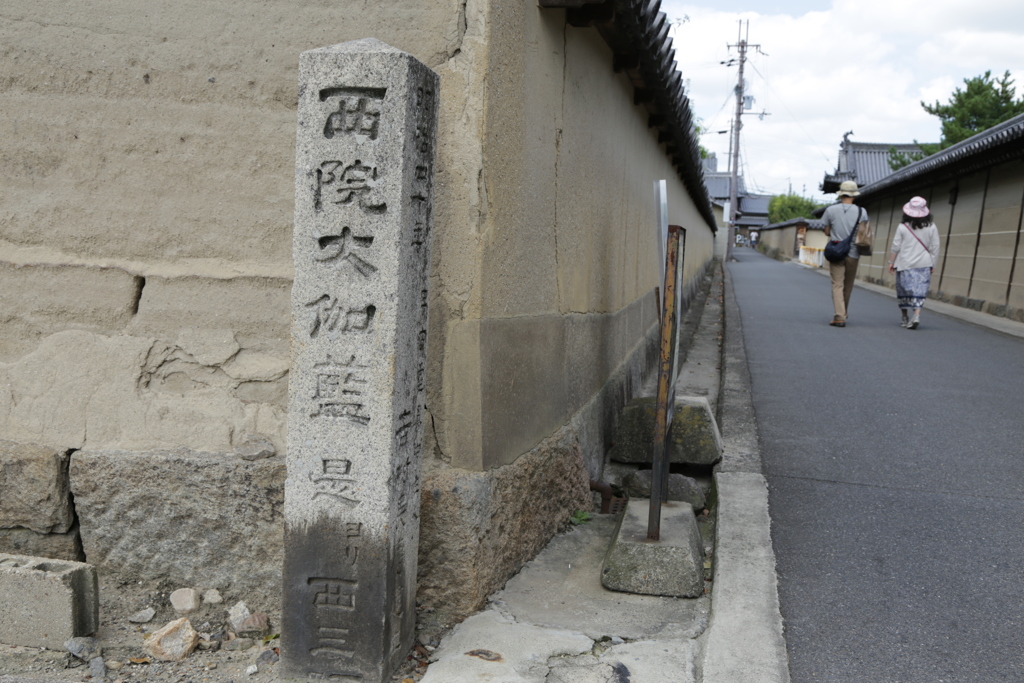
[{"x": 915, "y": 250}]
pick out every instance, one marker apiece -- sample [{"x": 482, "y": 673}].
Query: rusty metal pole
[
  {"x": 666, "y": 376},
  {"x": 676, "y": 315}
]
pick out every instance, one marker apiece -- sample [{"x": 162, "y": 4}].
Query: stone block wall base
[
  {"x": 672, "y": 565},
  {"x": 66, "y": 546},
  {"x": 34, "y": 488},
  {"x": 693, "y": 438},
  {"x": 207, "y": 519},
  {"x": 478, "y": 529},
  {"x": 46, "y": 602}
]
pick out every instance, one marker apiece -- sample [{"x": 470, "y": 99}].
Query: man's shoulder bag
[
  {"x": 836, "y": 251},
  {"x": 864, "y": 237}
]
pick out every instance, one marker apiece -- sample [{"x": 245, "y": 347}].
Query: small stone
[
  {"x": 114, "y": 665},
  {"x": 209, "y": 645},
  {"x": 143, "y": 616},
  {"x": 97, "y": 669},
  {"x": 254, "y": 626},
  {"x": 84, "y": 648},
  {"x": 211, "y": 666},
  {"x": 173, "y": 642},
  {"x": 237, "y": 645},
  {"x": 212, "y": 597},
  {"x": 680, "y": 487},
  {"x": 617, "y": 641},
  {"x": 238, "y": 614},
  {"x": 252, "y": 670},
  {"x": 185, "y": 600},
  {"x": 267, "y": 657},
  {"x": 254, "y": 447}
]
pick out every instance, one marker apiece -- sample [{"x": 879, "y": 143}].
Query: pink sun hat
[{"x": 916, "y": 208}]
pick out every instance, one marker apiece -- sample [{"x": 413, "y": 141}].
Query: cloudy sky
[{"x": 832, "y": 67}]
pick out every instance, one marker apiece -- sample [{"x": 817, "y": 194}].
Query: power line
[
  {"x": 720, "y": 109},
  {"x": 788, "y": 111}
]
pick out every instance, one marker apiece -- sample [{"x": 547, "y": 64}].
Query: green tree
[
  {"x": 983, "y": 103},
  {"x": 699, "y": 129},
  {"x": 783, "y": 207},
  {"x": 898, "y": 159}
]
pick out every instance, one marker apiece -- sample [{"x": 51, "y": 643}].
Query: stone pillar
[{"x": 364, "y": 166}]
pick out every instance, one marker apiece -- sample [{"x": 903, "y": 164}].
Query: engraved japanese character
[
  {"x": 356, "y": 181},
  {"x": 335, "y": 480},
  {"x": 334, "y": 593},
  {"x": 331, "y": 643},
  {"x": 359, "y": 111},
  {"x": 340, "y": 247},
  {"x": 338, "y": 388},
  {"x": 330, "y": 315}
]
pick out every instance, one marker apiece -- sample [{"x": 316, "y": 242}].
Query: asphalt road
[{"x": 895, "y": 464}]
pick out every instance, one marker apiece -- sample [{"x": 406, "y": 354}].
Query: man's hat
[{"x": 848, "y": 188}]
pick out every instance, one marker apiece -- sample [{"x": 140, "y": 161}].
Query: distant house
[
  {"x": 752, "y": 213},
  {"x": 863, "y": 162}
]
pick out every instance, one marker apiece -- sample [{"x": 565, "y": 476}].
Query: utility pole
[{"x": 734, "y": 142}]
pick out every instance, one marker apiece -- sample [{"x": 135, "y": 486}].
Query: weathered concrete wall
[
  {"x": 815, "y": 239},
  {"x": 781, "y": 239},
  {"x": 148, "y": 151},
  {"x": 568, "y": 251},
  {"x": 979, "y": 221},
  {"x": 145, "y": 237}
]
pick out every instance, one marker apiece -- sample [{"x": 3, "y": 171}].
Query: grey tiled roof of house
[
  {"x": 1002, "y": 142},
  {"x": 718, "y": 185},
  {"x": 863, "y": 162},
  {"x": 751, "y": 221},
  {"x": 755, "y": 204}
]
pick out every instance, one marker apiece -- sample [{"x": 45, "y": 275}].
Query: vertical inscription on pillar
[{"x": 363, "y": 215}]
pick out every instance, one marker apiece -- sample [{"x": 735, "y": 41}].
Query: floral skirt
[{"x": 912, "y": 286}]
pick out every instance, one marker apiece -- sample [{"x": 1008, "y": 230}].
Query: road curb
[{"x": 745, "y": 639}]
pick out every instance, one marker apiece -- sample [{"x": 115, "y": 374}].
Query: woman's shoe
[
  {"x": 905, "y": 323},
  {"x": 914, "y": 322}
]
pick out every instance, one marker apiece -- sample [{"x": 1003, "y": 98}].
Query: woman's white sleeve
[{"x": 897, "y": 240}]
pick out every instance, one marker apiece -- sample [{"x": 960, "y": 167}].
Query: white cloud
[{"x": 861, "y": 65}]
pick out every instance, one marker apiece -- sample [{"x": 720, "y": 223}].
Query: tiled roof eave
[
  {"x": 811, "y": 224},
  {"x": 637, "y": 33},
  {"x": 1003, "y": 142}
]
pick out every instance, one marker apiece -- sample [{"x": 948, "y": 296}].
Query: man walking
[{"x": 840, "y": 221}]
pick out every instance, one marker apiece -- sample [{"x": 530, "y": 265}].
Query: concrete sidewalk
[{"x": 555, "y": 623}]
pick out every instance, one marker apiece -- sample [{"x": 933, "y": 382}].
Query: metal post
[{"x": 666, "y": 383}]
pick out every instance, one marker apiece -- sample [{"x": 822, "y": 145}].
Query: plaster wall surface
[
  {"x": 783, "y": 239},
  {"x": 815, "y": 239},
  {"x": 145, "y": 235},
  {"x": 568, "y": 245}
]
